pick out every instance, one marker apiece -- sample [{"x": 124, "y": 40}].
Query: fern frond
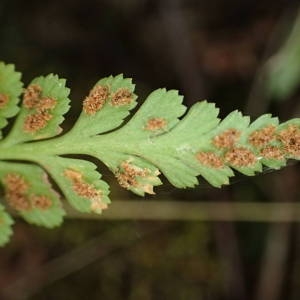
[{"x": 159, "y": 138}]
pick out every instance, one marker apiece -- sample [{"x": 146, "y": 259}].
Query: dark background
[{"x": 211, "y": 50}]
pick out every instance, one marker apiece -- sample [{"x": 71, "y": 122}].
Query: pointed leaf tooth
[
  {"x": 275, "y": 162},
  {"x": 217, "y": 178},
  {"x": 6, "y": 223},
  {"x": 175, "y": 170},
  {"x": 190, "y": 131},
  {"x": 262, "y": 121}
]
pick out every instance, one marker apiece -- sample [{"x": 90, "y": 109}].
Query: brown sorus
[
  {"x": 240, "y": 157},
  {"x": 36, "y": 121},
  {"x": 31, "y": 96},
  {"x": 155, "y": 124},
  {"x": 17, "y": 201},
  {"x": 121, "y": 97},
  {"x": 46, "y": 103},
  {"x": 209, "y": 159},
  {"x": 3, "y": 100},
  {"x": 96, "y": 99},
  {"x": 290, "y": 138},
  {"x": 86, "y": 190},
  {"x": 15, "y": 191},
  {"x": 41, "y": 202},
  {"x": 262, "y": 136},
  {"x": 127, "y": 174},
  {"x": 226, "y": 139},
  {"x": 272, "y": 152},
  {"x": 15, "y": 182}
]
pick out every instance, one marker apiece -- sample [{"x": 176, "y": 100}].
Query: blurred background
[{"x": 245, "y": 242}]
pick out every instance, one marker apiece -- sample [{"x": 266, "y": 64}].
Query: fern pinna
[{"x": 160, "y": 138}]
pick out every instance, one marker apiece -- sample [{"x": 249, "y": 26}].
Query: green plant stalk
[{"x": 64, "y": 145}]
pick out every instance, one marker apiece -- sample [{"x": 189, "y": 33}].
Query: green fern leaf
[
  {"x": 159, "y": 138},
  {"x": 80, "y": 183},
  {"x": 28, "y": 192},
  {"x": 45, "y": 101},
  {"x": 106, "y": 106}
]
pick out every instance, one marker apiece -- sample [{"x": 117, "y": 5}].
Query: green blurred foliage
[{"x": 282, "y": 69}]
